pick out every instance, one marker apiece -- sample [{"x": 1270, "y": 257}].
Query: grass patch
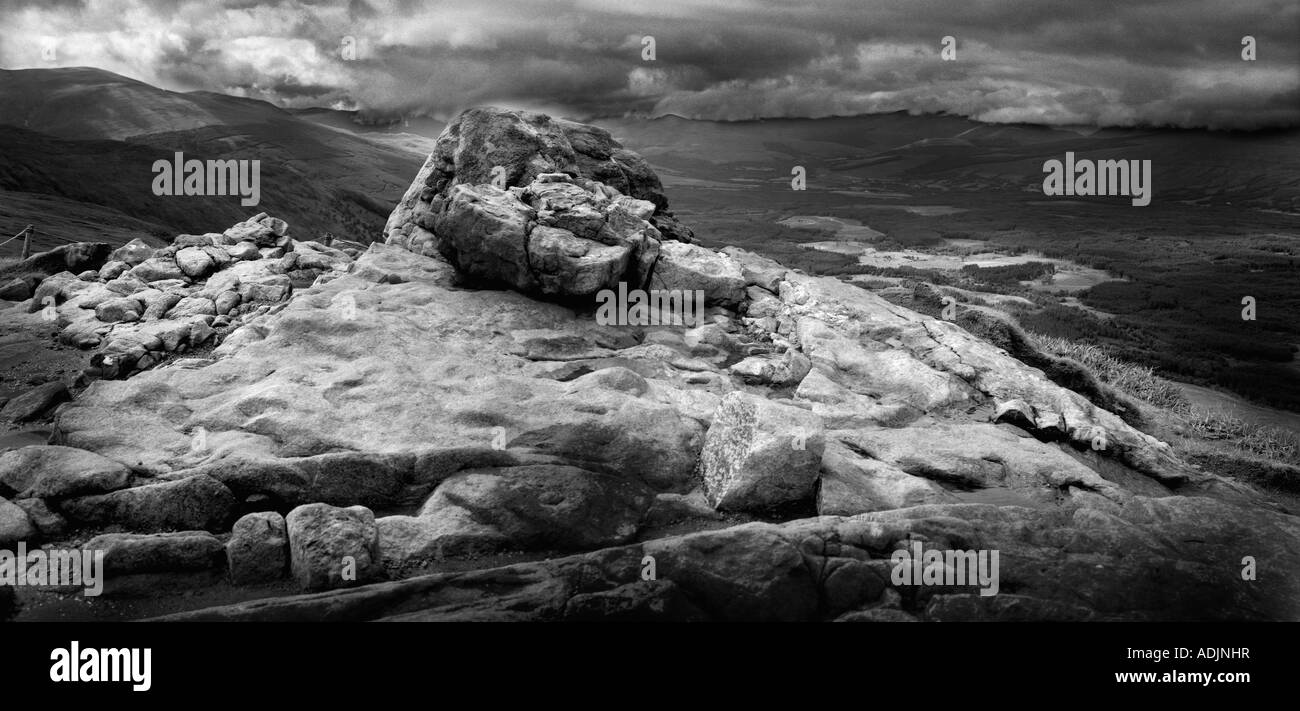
[{"x": 1212, "y": 430}]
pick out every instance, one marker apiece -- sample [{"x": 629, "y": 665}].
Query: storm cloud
[{"x": 1140, "y": 62}]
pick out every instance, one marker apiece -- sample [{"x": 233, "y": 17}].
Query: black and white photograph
[{"x": 670, "y": 311}]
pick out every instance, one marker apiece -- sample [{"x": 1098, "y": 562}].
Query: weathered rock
[
  {"x": 34, "y": 403},
  {"x": 268, "y": 288},
  {"x": 131, "y": 553},
  {"x": 75, "y": 258},
  {"x": 51, "y": 471},
  {"x": 192, "y": 306},
  {"x": 333, "y": 547},
  {"x": 526, "y": 508},
  {"x": 132, "y": 253},
  {"x": 192, "y": 503},
  {"x": 15, "y": 525},
  {"x": 180, "y": 242},
  {"x": 49, "y": 524},
  {"x": 156, "y": 269},
  {"x": 1092, "y": 560},
  {"x": 672, "y": 508},
  {"x": 687, "y": 267},
  {"x": 851, "y": 485},
  {"x": 159, "y": 306},
  {"x": 983, "y": 456},
  {"x": 51, "y": 291},
  {"x": 113, "y": 270},
  {"x": 120, "y": 309},
  {"x": 424, "y": 338},
  {"x": 784, "y": 370},
  {"x": 194, "y": 262},
  {"x": 1016, "y": 412},
  {"x": 760, "y": 454},
  {"x": 243, "y": 251},
  {"x": 126, "y": 285},
  {"x": 757, "y": 270},
  {"x": 520, "y": 146},
  {"x": 226, "y": 301},
  {"x": 258, "y": 550},
  {"x": 16, "y": 290}
]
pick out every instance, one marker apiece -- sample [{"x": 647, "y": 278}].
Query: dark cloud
[{"x": 1132, "y": 62}]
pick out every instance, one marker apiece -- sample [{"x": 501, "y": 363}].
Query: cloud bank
[{"x": 1127, "y": 63}]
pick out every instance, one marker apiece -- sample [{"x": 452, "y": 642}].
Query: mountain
[{"x": 92, "y": 136}]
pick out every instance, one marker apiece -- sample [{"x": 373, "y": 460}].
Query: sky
[{"x": 1084, "y": 62}]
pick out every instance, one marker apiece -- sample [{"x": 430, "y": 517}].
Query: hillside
[{"x": 92, "y": 136}]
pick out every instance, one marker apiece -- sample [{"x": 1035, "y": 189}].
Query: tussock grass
[
  {"x": 1219, "y": 430},
  {"x": 1136, "y": 380}
]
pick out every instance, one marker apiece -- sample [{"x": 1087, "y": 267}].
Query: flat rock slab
[
  {"x": 130, "y": 553},
  {"x": 192, "y": 503},
  {"x": 51, "y": 471}
]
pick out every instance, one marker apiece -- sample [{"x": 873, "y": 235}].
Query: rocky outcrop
[
  {"x": 542, "y": 205},
  {"x": 408, "y": 414}
]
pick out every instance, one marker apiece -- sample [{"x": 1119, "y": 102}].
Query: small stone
[{"x": 258, "y": 550}]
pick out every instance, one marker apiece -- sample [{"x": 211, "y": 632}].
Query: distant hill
[
  {"x": 91, "y": 136},
  {"x": 1260, "y": 170}
]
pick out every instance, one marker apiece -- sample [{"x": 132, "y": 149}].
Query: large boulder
[
  {"x": 483, "y": 143},
  {"x": 760, "y": 454},
  {"x": 541, "y": 204},
  {"x": 569, "y": 241}
]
